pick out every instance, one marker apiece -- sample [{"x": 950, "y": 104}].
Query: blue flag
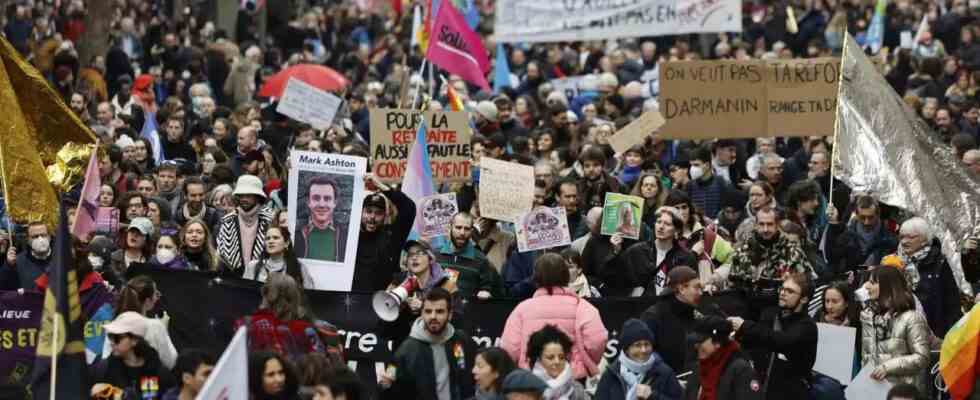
[
  {"x": 472, "y": 14},
  {"x": 151, "y": 133},
  {"x": 501, "y": 70},
  {"x": 876, "y": 32},
  {"x": 61, "y": 335}
]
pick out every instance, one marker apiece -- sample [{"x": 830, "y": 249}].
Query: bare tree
[{"x": 98, "y": 20}]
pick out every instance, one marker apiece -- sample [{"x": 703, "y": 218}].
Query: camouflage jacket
[{"x": 754, "y": 261}]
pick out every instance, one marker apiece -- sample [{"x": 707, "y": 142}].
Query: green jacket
[{"x": 472, "y": 270}]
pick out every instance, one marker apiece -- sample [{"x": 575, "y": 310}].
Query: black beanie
[{"x": 634, "y": 331}]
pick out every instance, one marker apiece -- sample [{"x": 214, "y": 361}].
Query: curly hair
[{"x": 543, "y": 337}]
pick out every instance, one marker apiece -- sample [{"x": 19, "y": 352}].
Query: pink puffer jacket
[{"x": 574, "y": 316}]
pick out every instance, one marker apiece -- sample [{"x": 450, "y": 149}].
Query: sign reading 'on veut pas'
[
  {"x": 732, "y": 99},
  {"x": 447, "y": 133}
]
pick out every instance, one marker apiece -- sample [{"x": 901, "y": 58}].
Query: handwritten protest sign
[
  {"x": 437, "y": 212},
  {"x": 754, "y": 98},
  {"x": 835, "y": 348},
  {"x": 571, "y": 20},
  {"x": 542, "y": 228},
  {"x": 393, "y": 132},
  {"x": 622, "y": 214},
  {"x": 506, "y": 189},
  {"x": 637, "y": 131},
  {"x": 306, "y": 103}
]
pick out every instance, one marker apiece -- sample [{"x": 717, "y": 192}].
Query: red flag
[
  {"x": 88, "y": 202},
  {"x": 454, "y": 47}
]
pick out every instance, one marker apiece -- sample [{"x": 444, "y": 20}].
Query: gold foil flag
[{"x": 35, "y": 126}]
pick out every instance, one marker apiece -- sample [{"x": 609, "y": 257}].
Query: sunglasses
[{"x": 116, "y": 337}]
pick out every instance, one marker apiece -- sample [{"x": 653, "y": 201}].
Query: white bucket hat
[{"x": 249, "y": 184}]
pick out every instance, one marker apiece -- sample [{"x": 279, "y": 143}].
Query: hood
[{"x": 418, "y": 332}]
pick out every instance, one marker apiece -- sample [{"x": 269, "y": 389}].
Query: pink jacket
[{"x": 574, "y": 316}]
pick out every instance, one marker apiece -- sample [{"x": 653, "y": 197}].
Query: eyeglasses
[
  {"x": 788, "y": 290},
  {"x": 418, "y": 253}
]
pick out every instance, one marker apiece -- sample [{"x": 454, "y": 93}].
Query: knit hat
[
  {"x": 680, "y": 275},
  {"x": 634, "y": 331},
  {"x": 487, "y": 110},
  {"x": 522, "y": 380}
]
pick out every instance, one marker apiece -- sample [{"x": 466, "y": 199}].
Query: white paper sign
[
  {"x": 229, "y": 379},
  {"x": 306, "y": 103},
  {"x": 863, "y": 387},
  {"x": 326, "y": 193},
  {"x": 573, "y": 20},
  {"x": 570, "y": 86},
  {"x": 835, "y": 352}
]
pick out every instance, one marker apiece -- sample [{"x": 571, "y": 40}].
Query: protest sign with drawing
[
  {"x": 328, "y": 190},
  {"x": 306, "y": 103},
  {"x": 107, "y": 221},
  {"x": 622, "y": 214},
  {"x": 543, "y": 228},
  {"x": 750, "y": 98},
  {"x": 437, "y": 212},
  {"x": 506, "y": 189},
  {"x": 447, "y": 133},
  {"x": 637, "y": 131}
]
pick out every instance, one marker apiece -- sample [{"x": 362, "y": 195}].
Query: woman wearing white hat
[{"x": 133, "y": 366}]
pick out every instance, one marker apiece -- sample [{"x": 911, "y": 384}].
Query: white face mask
[
  {"x": 696, "y": 173},
  {"x": 41, "y": 245},
  {"x": 96, "y": 261},
  {"x": 165, "y": 255}
]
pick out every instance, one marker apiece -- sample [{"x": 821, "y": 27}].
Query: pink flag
[
  {"x": 88, "y": 202},
  {"x": 454, "y": 47}
]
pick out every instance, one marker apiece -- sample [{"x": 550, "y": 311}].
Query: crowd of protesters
[{"x": 760, "y": 218}]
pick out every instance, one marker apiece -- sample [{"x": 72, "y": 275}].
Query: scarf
[
  {"x": 200, "y": 215},
  {"x": 711, "y": 368},
  {"x": 911, "y": 262},
  {"x": 561, "y": 387},
  {"x": 633, "y": 372},
  {"x": 581, "y": 286}
]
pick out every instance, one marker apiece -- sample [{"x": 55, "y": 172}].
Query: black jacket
[
  {"x": 114, "y": 372},
  {"x": 415, "y": 376},
  {"x": 378, "y": 252},
  {"x": 792, "y": 348},
  {"x": 660, "y": 378},
  {"x": 937, "y": 291},
  {"x": 637, "y": 268},
  {"x": 737, "y": 382},
  {"x": 671, "y": 321}
]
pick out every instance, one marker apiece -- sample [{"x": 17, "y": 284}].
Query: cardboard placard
[
  {"x": 542, "y": 228},
  {"x": 754, "y": 98},
  {"x": 622, "y": 214},
  {"x": 306, "y": 103},
  {"x": 393, "y": 133},
  {"x": 636, "y": 131},
  {"x": 506, "y": 189},
  {"x": 436, "y": 213}
]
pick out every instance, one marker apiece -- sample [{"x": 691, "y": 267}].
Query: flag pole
[
  {"x": 833, "y": 148},
  {"x": 418, "y": 86},
  {"x": 54, "y": 357}
]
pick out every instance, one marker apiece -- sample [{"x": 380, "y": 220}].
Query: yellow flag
[{"x": 35, "y": 125}]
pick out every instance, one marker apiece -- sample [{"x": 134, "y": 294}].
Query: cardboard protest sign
[
  {"x": 437, "y": 212},
  {"x": 622, "y": 214},
  {"x": 802, "y": 96},
  {"x": 328, "y": 190},
  {"x": 752, "y": 98},
  {"x": 542, "y": 228},
  {"x": 506, "y": 189},
  {"x": 637, "y": 131},
  {"x": 572, "y": 20},
  {"x": 306, "y": 103},
  {"x": 393, "y": 132}
]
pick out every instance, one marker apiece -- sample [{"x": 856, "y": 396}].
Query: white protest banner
[
  {"x": 328, "y": 191},
  {"x": 574, "y": 20},
  {"x": 542, "y": 228},
  {"x": 863, "y": 387},
  {"x": 437, "y": 212},
  {"x": 306, "y": 103},
  {"x": 835, "y": 346},
  {"x": 506, "y": 189},
  {"x": 229, "y": 378},
  {"x": 570, "y": 86}
]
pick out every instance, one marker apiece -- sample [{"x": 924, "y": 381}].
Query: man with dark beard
[
  {"x": 194, "y": 206},
  {"x": 241, "y": 234},
  {"x": 466, "y": 264},
  {"x": 433, "y": 362},
  {"x": 379, "y": 244}
]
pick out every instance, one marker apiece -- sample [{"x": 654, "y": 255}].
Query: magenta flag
[
  {"x": 454, "y": 47},
  {"x": 88, "y": 202}
]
